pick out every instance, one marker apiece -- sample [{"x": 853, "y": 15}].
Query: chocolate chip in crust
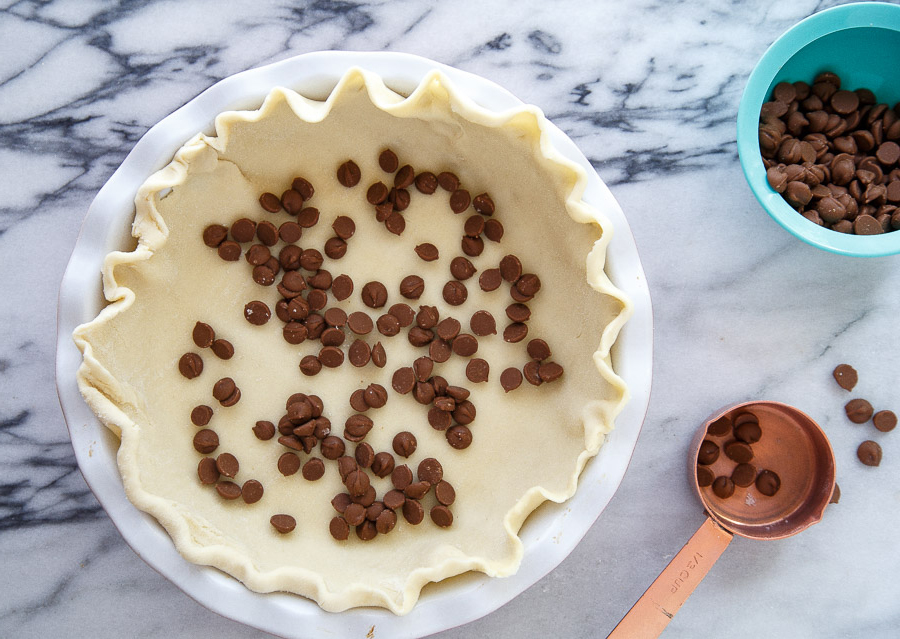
[
  {"x": 459, "y": 437},
  {"x": 388, "y": 161},
  {"x": 404, "y": 443},
  {"x": 288, "y": 464},
  {"x": 283, "y": 523},
  {"x": 455, "y": 293},
  {"x": 201, "y": 415},
  {"x": 490, "y": 280},
  {"x": 257, "y": 313},
  {"x": 374, "y": 294},
  {"x": 510, "y": 268},
  {"x": 228, "y": 490},
  {"x": 430, "y": 470},
  {"x": 510, "y": 379},
  {"x": 190, "y": 365},
  {"x": 493, "y": 230},
  {"x": 482, "y": 324},
  {"x": 441, "y": 516},
  {"x": 348, "y": 174},
  {"x": 207, "y": 471},
  {"x": 413, "y": 512},
  {"x": 227, "y": 465},
  {"x": 401, "y": 477},
  {"x": 412, "y": 287},
  {"x": 448, "y": 181},
  {"x": 215, "y": 234},
  {"x": 459, "y": 201},
  {"x": 461, "y": 268},
  {"x": 222, "y": 349},
  {"x": 203, "y": 335},
  {"x": 427, "y": 252},
  {"x": 383, "y": 464},
  {"x": 477, "y": 370},
  {"x": 445, "y": 493},
  {"x": 339, "y": 528},
  {"x": 313, "y": 469}
]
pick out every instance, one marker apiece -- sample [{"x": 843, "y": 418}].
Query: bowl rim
[
  {"x": 877, "y": 15},
  {"x": 471, "y": 596}
]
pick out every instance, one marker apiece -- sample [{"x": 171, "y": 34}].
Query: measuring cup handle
[{"x": 656, "y": 607}]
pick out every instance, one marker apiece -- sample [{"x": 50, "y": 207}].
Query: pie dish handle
[{"x": 656, "y": 607}]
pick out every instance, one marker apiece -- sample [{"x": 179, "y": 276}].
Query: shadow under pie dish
[{"x": 533, "y": 444}]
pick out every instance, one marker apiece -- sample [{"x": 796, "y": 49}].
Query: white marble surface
[{"x": 649, "y": 90}]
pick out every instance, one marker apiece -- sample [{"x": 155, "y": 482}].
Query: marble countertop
[{"x": 649, "y": 91}]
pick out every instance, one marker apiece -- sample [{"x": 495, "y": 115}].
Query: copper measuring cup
[{"x": 793, "y": 446}]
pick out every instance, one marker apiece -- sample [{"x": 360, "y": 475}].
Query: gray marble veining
[{"x": 649, "y": 91}]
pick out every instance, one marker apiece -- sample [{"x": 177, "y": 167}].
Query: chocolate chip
[
  {"x": 375, "y": 395},
  {"x": 310, "y": 365},
  {"x": 339, "y": 528},
  {"x": 427, "y": 317},
  {"x": 267, "y": 233},
  {"x": 465, "y": 345},
  {"x": 493, "y": 230},
  {"x": 226, "y": 391},
  {"x": 419, "y": 336},
  {"x": 358, "y": 400},
  {"x": 270, "y": 202},
  {"x": 448, "y": 181},
  {"x": 413, "y": 512},
  {"x": 477, "y": 370},
  {"x": 222, "y": 349},
  {"x": 348, "y": 174},
  {"x": 201, "y": 415},
  {"x": 424, "y": 393},
  {"x": 206, "y": 441},
  {"x": 748, "y": 433},
  {"x": 331, "y": 357},
  {"x": 515, "y": 332},
  {"x": 448, "y": 328},
  {"x": 859, "y": 411},
  {"x": 257, "y": 313},
  {"x": 441, "y": 516},
  {"x": 427, "y": 252},
  {"x": 382, "y": 464},
  {"x": 835, "y": 495},
  {"x": 374, "y": 294},
  {"x": 229, "y": 251},
  {"x": 490, "y": 279},
  {"x": 768, "y": 483},
  {"x": 439, "y": 350},
  {"x": 359, "y": 353},
  {"x": 386, "y": 521},
  {"x": 203, "y": 335},
  {"x": 379, "y": 357},
  {"x": 400, "y": 198},
  {"x": 321, "y": 280},
  {"x": 401, "y": 477},
  {"x": 335, "y": 248},
  {"x": 444, "y": 493},
  {"x": 404, "y": 443},
  {"x": 357, "y": 427},
  {"x": 426, "y": 182},
  {"x": 550, "y": 371},
  {"x": 214, "y": 235},
  {"x": 228, "y": 490},
  {"x": 395, "y": 223},
  {"x": 430, "y": 471},
  {"x": 464, "y": 413},
  {"x": 709, "y": 453},
  {"x": 227, "y": 464},
  {"x": 532, "y": 373},
  {"x": 308, "y": 217},
  {"x": 461, "y": 268},
  {"x": 528, "y": 284},
  {"x": 404, "y": 177},
  {"x": 343, "y": 227},
  {"x": 472, "y": 246},
  {"x": 332, "y": 447},
  {"x": 355, "y": 514},
  {"x": 283, "y": 523},
  {"x": 738, "y": 451},
  {"x": 288, "y": 464},
  {"x": 417, "y": 490},
  {"x": 377, "y": 193},
  {"x": 313, "y": 469},
  {"x": 538, "y": 349},
  {"x": 388, "y": 325},
  {"x": 483, "y": 204},
  {"x": 292, "y": 201},
  {"x": 743, "y": 475},
  {"x": 510, "y": 268},
  {"x": 207, "y": 471},
  {"x": 190, "y": 365},
  {"x": 264, "y": 430},
  {"x": 510, "y": 379},
  {"x": 412, "y": 287},
  {"x": 439, "y": 419},
  {"x": 357, "y": 483},
  {"x": 455, "y": 293},
  {"x": 459, "y": 437},
  {"x": 360, "y": 323},
  {"x": 885, "y": 420},
  {"x": 474, "y": 226},
  {"x": 459, "y": 200},
  {"x": 243, "y": 230},
  {"x": 388, "y": 161},
  {"x": 383, "y": 212},
  {"x": 303, "y": 187},
  {"x": 705, "y": 476},
  {"x": 341, "y": 501},
  {"x": 723, "y": 487},
  {"x": 869, "y": 453},
  {"x": 720, "y": 427}
]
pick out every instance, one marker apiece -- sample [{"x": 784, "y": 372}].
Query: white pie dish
[{"x": 442, "y": 606}]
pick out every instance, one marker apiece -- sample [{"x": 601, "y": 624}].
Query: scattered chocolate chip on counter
[
  {"x": 846, "y": 376},
  {"x": 859, "y": 411},
  {"x": 869, "y": 453}
]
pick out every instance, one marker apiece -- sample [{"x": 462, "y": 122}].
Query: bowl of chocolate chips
[{"x": 819, "y": 130}]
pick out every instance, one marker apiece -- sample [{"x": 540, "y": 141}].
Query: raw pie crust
[{"x": 530, "y": 445}]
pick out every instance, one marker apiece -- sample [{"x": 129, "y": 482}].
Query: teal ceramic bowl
[{"x": 861, "y": 43}]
